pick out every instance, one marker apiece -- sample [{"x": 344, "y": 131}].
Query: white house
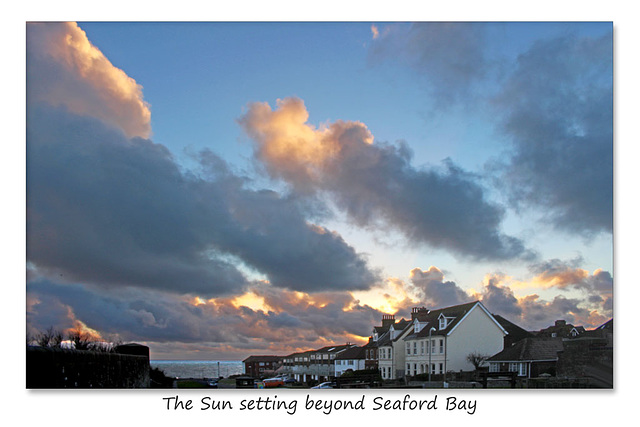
[
  {"x": 390, "y": 347},
  {"x": 441, "y": 339},
  {"x": 352, "y": 358}
]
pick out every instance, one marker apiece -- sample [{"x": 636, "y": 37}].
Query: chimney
[
  {"x": 388, "y": 320},
  {"x": 561, "y": 323},
  {"x": 419, "y": 313}
]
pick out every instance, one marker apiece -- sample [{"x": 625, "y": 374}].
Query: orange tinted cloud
[
  {"x": 66, "y": 69},
  {"x": 293, "y": 149}
]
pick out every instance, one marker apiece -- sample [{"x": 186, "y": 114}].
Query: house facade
[
  {"x": 316, "y": 365},
  {"x": 351, "y": 359},
  {"x": 442, "y": 339},
  {"x": 259, "y": 366},
  {"x": 390, "y": 354},
  {"x": 529, "y": 357}
]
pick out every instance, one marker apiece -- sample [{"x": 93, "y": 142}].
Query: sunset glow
[{"x": 302, "y": 180}]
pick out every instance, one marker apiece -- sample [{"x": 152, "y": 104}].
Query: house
[
  {"x": 440, "y": 340},
  {"x": 350, "y": 359},
  {"x": 260, "y": 366},
  {"x": 561, "y": 329},
  {"x": 323, "y": 361},
  {"x": 589, "y": 356},
  {"x": 529, "y": 357},
  {"x": 371, "y": 355},
  {"x": 514, "y": 332},
  {"x": 389, "y": 342},
  {"x": 313, "y": 364}
]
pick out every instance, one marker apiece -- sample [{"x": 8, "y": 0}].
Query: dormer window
[{"x": 442, "y": 322}]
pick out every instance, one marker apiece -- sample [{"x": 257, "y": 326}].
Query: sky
[{"x": 217, "y": 190}]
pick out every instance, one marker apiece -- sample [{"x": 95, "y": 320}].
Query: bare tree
[
  {"x": 476, "y": 359},
  {"x": 80, "y": 340},
  {"x": 49, "y": 338}
]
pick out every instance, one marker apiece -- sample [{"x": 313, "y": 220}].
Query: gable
[{"x": 485, "y": 314}]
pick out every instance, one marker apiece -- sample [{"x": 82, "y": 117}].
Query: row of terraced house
[{"x": 431, "y": 342}]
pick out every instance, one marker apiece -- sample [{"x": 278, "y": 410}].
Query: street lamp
[{"x": 430, "y": 347}]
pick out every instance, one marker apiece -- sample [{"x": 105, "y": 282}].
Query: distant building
[
  {"x": 562, "y": 351},
  {"x": 318, "y": 365},
  {"x": 259, "y": 366},
  {"x": 351, "y": 359},
  {"x": 561, "y": 329}
]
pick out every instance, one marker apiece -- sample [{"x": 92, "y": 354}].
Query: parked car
[
  {"x": 273, "y": 382},
  {"x": 325, "y": 385}
]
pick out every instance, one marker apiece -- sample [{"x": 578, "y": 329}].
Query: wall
[
  {"x": 477, "y": 333},
  {"x": 62, "y": 368}
]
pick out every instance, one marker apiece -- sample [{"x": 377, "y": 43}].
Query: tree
[
  {"x": 49, "y": 338},
  {"x": 476, "y": 359},
  {"x": 80, "y": 340}
]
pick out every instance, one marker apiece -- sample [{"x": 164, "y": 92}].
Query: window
[
  {"x": 421, "y": 347},
  {"x": 415, "y": 369},
  {"x": 415, "y": 347},
  {"x": 441, "y": 368},
  {"x": 520, "y": 368},
  {"x": 408, "y": 348},
  {"x": 494, "y": 367},
  {"x": 441, "y": 346},
  {"x": 433, "y": 345},
  {"x": 408, "y": 368},
  {"x": 442, "y": 322}
]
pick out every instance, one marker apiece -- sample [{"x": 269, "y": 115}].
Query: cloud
[
  {"x": 294, "y": 321},
  {"x": 437, "y": 293},
  {"x": 591, "y": 307},
  {"x": 375, "y": 183},
  {"x": 374, "y": 32},
  {"x": 64, "y": 68},
  {"x": 450, "y": 57},
  {"x": 111, "y": 211},
  {"x": 557, "y": 111}
]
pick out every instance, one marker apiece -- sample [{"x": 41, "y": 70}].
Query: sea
[{"x": 199, "y": 368}]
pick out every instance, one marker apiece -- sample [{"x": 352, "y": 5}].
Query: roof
[
  {"x": 455, "y": 313},
  {"x": 560, "y": 329},
  {"x": 352, "y": 353},
  {"x": 606, "y": 325},
  {"x": 401, "y": 325},
  {"x": 253, "y": 359},
  {"x": 530, "y": 349},
  {"x": 515, "y": 332}
]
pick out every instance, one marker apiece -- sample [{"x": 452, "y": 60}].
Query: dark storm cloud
[
  {"x": 557, "y": 108},
  {"x": 113, "y": 211},
  {"x": 376, "y": 184}
]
